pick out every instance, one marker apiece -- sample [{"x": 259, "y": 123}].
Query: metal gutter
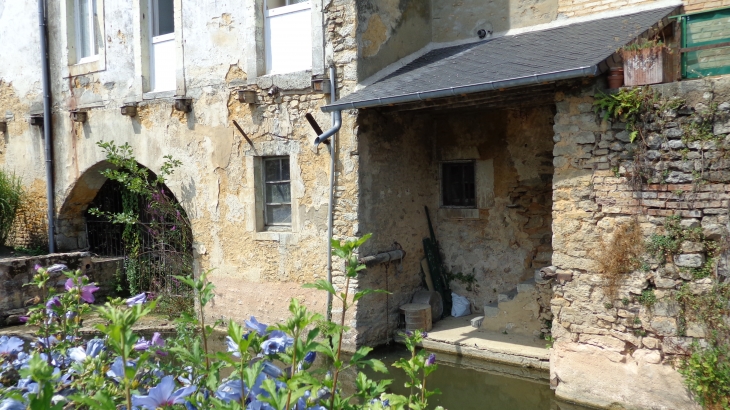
[
  {"x": 587, "y": 71},
  {"x": 47, "y": 136}
]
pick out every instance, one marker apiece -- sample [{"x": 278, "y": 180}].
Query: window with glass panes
[
  {"x": 277, "y": 191},
  {"x": 87, "y": 30},
  {"x": 457, "y": 184}
]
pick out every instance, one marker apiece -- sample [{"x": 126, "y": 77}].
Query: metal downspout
[
  {"x": 336, "y": 123},
  {"x": 46, "y": 69}
]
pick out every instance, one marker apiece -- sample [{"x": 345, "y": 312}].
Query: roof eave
[{"x": 587, "y": 71}]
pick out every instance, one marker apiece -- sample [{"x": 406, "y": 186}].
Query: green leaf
[
  {"x": 365, "y": 292},
  {"x": 321, "y": 284}
]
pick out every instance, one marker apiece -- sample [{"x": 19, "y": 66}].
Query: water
[
  {"x": 464, "y": 384},
  {"x": 465, "y": 388}
]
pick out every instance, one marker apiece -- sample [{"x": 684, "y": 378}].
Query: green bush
[
  {"x": 707, "y": 374},
  {"x": 11, "y": 195}
]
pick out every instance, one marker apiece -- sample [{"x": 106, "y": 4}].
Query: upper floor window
[
  {"x": 288, "y": 36},
  {"x": 88, "y": 33},
  {"x": 277, "y": 191},
  {"x": 458, "y": 186},
  {"x": 162, "y": 39}
]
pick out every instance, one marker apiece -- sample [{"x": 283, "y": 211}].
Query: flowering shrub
[{"x": 268, "y": 366}]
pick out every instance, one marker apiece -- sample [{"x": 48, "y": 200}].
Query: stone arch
[
  {"x": 161, "y": 238},
  {"x": 70, "y": 224}
]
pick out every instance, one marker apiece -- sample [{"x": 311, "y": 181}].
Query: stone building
[{"x": 480, "y": 110}]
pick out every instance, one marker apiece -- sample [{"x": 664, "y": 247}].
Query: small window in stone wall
[
  {"x": 277, "y": 191},
  {"x": 458, "y": 187}
]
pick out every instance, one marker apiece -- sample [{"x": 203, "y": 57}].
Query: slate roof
[{"x": 569, "y": 51}]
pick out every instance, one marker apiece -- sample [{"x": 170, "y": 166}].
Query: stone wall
[
  {"x": 616, "y": 349},
  {"x": 15, "y": 273}
]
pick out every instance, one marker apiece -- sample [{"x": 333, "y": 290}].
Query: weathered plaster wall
[
  {"x": 397, "y": 180},
  {"x": 501, "y": 242},
  {"x": 21, "y": 147},
  {"x": 255, "y": 272},
  {"x": 616, "y": 350},
  {"x": 461, "y": 19},
  {"x": 389, "y": 30}
]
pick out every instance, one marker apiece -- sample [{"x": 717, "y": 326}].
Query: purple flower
[
  {"x": 254, "y": 324},
  {"x": 232, "y": 346},
  {"x": 12, "y": 404},
  {"x": 87, "y": 291},
  {"x": 36, "y": 267},
  {"x": 23, "y": 319},
  {"x": 93, "y": 348},
  {"x": 431, "y": 359},
  {"x": 271, "y": 369},
  {"x": 10, "y": 345},
  {"x": 163, "y": 395},
  {"x": 136, "y": 300},
  {"x": 53, "y": 303},
  {"x": 424, "y": 335},
  {"x": 277, "y": 343},
  {"x": 156, "y": 340},
  {"x": 309, "y": 357}
]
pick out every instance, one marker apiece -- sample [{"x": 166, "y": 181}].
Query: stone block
[
  {"x": 665, "y": 283},
  {"x": 666, "y": 307},
  {"x": 676, "y": 177},
  {"x": 692, "y": 247},
  {"x": 673, "y": 133},
  {"x": 677, "y": 345},
  {"x": 585, "y": 138},
  {"x": 664, "y": 326},
  {"x": 674, "y": 144},
  {"x": 701, "y": 286},
  {"x": 623, "y": 136},
  {"x": 695, "y": 329},
  {"x": 604, "y": 342},
  {"x": 647, "y": 356},
  {"x": 721, "y": 128},
  {"x": 654, "y": 141},
  {"x": 691, "y": 260},
  {"x": 491, "y": 310},
  {"x": 651, "y": 343}
]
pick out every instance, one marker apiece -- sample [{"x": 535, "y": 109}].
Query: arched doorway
[
  {"x": 149, "y": 234},
  {"x": 152, "y": 234}
]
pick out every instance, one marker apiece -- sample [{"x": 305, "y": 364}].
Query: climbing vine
[{"x": 156, "y": 234}]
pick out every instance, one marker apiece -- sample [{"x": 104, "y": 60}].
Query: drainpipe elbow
[{"x": 336, "y": 124}]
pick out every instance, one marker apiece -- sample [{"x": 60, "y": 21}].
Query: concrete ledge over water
[{"x": 519, "y": 356}]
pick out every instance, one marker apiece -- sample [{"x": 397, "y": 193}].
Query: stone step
[{"x": 491, "y": 310}]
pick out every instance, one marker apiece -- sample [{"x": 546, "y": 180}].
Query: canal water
[
  {"x": 488, "y": 387},
  {"x": 465, "y": 384}
]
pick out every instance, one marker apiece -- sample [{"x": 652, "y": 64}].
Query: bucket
[
  {"x": 433, "y": 299},
  {"x": 417, "y": 315},
  {"x": 615, "y": 77}
]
